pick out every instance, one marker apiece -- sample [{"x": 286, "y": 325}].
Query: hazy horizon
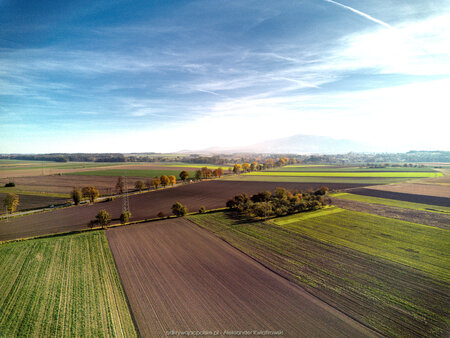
[{"x": 166, "y": 76}]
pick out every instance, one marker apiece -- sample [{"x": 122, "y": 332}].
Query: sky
[{"x": 163, "y": 76}]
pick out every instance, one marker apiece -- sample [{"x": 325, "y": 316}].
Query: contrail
[
  {"x": 208, "y": 91},
  {"x": 367, "y": 16}
]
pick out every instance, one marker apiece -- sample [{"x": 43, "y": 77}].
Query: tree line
[
  {"x": 224, "y": 159},
  {"x": 279, "y": 203}
]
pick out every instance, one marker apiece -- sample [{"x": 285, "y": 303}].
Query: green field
[
  {"x": 19, "y": 191},
  {"x": 302, "y": 179},
  {"x": 419, "y": 246},
  {"x": 55, "y": 165},
  {"x": 7, "y": 165},
  {"x": 133, "y": 173},
  {"x": 346, "y": 174},
  {"x": 349, "y": 169},
  {"x": 391, "y": 275},
  {"x": 393, "y": 203},
  {"x": 62, "y": 286}
]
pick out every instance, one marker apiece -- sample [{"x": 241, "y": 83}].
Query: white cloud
[
  {"x": 413, "y": 48},
  {"x": 394, "y": 119}
]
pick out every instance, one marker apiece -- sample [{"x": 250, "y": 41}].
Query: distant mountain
[
  {"x": 299, "y": 144},
  {"x": 309, "y": 144}
]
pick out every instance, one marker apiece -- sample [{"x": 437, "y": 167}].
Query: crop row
[
  {"x": 62, "y": 286},
  {"x": 390, "y": 275}
]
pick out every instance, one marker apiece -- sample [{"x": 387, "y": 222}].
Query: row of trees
[
  {"x": 279, "y": 203},
  {"x": 268, "y": 164},
  {"x": 103, "y": 218},
  {"x": 165, "y": 180},
  {"x": 205, "y": 172},
  {"x": 90, "y": 193}
]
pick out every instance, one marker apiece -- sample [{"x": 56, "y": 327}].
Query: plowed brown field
[
  {"x": 181, "y": 279},
  {"x": 27, "y": 202},
  {"x": 425, "y": 199},
  {"x": 212, "y": 194},
  {"x": 63, "y": 184}
]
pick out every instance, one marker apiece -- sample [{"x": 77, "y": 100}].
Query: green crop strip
[
  {"x": 391, "y": 275},
  {"x": 415, "y": 245},
  {"x": 62, "y": 286}
]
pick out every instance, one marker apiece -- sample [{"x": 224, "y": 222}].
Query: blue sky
[{"x": 135, "y": 76}]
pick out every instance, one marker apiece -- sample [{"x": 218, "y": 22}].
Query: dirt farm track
[
  {"x": 180, "y": 278},
  {"x": 211, "y": 194}
]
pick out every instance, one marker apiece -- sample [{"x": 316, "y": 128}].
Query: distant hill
[{"x": 300, "y": 144}]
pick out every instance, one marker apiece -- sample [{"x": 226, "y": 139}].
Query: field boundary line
[
  {"x": 72, "y": 232},
  {"x": 285, "y": 275},
  {"x": 123, "y": 289}
]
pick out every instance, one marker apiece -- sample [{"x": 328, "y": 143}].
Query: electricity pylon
[{"x": 125, "y": 200}]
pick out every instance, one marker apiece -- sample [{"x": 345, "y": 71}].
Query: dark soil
[
  {"x": 179, "y": 277},
  {"x": 409, "y": 215},
  {"x": 210, "y": 194},
  {"x": 434, "y": 200}
]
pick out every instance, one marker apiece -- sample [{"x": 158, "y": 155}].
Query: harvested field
[
  {"x": 351, "y": 260},
  {"x": 417, "y": 189},
  {"x": 143, "y": 173},
  {"x": 38, "y": 168},
  {"x": 49, "y": 168},
  {"x": 62, "y": 286},
  {"x": 409, "y": 215},
  {"x": 64, "y": 183},
  {"x": 210, "y": 194},
  {"x": 28, "y": 202},
  {"x": 414, "y": 198},
  {"x": 178, "y": 277}
]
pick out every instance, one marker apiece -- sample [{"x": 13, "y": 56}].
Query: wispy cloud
[
  {"x": 365, "y": 15},
  {"x": 234, "y": 81}
]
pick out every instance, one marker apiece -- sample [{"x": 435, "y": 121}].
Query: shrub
[
  {"x": 202, "y": 210},
  {"x": 139, "y": 185},
  {"x": 10, "y": 184},
  {"x": 76, "y": 195},
  {"x": 103, "y": 218},
  {"x": 160, "y": 214},
  {"x": 125, "y": 217},
  {"x": 321, "y": 191},
  {"x": 179, "y": 209}
]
